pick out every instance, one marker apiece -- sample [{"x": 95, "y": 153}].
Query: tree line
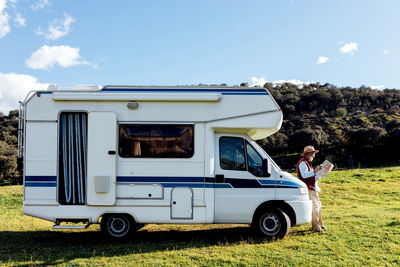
[
  {"x": 10, "y": 165},
  {"x": 352, "y": 127}
]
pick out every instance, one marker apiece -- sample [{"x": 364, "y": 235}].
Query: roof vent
[{"x": 95, "y": 87}]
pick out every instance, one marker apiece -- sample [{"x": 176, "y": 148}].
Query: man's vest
[{"x": 310, "y": 181}]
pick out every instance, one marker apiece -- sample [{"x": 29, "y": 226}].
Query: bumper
[{"x": 302, "y": 210}]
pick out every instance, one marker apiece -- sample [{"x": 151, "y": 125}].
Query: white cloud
[
  {"x": 4, "y": 19},
  {"x": 58, "y": 28},
  {"x": 261, "y": 81},
  {"x": 349, "y": 48},
  {"x": 39, "y": 31},
  {"x": 40, "y": 4},
  {"x": 386, "y": 52},
  {"x": 322, "y": 60},
  {"x": 258, "y": 81},
  {"x": 19, "y": 20},
  {"x": 48, "y": 56},
  {"x": 377, "y": 87},
  {"x": 3, "y": 4},
  {"x": 295, "y": 82},
  {"x": 14, "y": 87}
]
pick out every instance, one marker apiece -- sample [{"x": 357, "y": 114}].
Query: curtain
[{"x": 72, "y": 158}]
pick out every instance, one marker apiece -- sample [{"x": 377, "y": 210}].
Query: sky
[{"x": 188, "y": 42}]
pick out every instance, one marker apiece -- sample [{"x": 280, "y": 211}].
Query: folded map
[{"x": 326, "y": 167}]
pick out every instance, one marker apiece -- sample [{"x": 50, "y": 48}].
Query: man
[{"x": 306, "y": 173}]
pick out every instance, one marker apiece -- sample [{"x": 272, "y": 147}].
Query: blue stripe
[
  {"x": 193, "y": 185},
  {"x": 149, "y": 179},
  {"x": 41, "y": 184},
  {"x": 198, "y": 182},
  {"x": 246, "y": 183},
  {"x": 209, "y": 179},
  {"x": 223, "y": 91},
  {"x": 265, "y": 93},
  {"x": 195, "y": 182},
  {"x": 267, "y": 182},
  {"x": 41, "y": 178},
  {"x": 281, "y": 184},
  {"x": 288, "y": 183}
]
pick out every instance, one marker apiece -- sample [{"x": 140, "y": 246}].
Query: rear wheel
[
  {"x": 117, "y": 226},
  {"x": 273, "y": 223}
]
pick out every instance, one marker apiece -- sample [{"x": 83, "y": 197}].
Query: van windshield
[{"x": 265, "y": 155}]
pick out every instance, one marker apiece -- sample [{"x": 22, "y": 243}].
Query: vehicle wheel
[
  {"x": 273, "y": 223},
  {"x": 116, "y": 226}
]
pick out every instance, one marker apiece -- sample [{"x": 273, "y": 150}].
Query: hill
[{"x": 353, "y": 127}]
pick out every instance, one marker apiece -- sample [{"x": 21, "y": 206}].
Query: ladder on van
[{"x": 21, "y": 118}]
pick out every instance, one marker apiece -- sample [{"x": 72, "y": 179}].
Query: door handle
[
  {"x": 111, "y": 152},
  {"x": 219, "y": 179}
]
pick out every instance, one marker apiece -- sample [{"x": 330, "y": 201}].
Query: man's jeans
[{"x": 316, "y": 211}]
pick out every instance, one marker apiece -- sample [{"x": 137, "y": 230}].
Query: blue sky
[{"x": 346, "y": 43}]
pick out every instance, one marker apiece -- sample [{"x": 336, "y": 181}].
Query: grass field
[{"x": 361, "y": 209}]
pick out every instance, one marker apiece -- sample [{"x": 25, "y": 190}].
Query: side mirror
[{"x": 266, "y": 167}]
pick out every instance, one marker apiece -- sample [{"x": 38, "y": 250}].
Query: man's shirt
[{"x": 305, "y": 173}]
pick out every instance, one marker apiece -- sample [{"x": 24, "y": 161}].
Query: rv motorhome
[{"x": 125, "y": 156}]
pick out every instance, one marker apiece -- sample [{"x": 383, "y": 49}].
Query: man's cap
[{"x": 309, "y": 149}]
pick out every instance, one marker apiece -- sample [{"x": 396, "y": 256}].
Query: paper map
[{"x": 326, "y": 167}]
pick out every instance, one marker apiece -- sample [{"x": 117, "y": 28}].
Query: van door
[
  {"x": 240, "y": 185},
  {"x": 101, "y": 160}
]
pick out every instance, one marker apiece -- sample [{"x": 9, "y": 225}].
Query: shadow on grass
[{"x": 49, "y": 247}]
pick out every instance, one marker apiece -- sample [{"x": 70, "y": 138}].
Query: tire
[
  {"x": 273, "y": 223},
  {"x": 117, "y": 226}
]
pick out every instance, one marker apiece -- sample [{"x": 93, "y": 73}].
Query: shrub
[{"x": 341, "y": 112}]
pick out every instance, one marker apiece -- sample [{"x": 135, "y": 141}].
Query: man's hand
[{"x": 318, "y": 168}]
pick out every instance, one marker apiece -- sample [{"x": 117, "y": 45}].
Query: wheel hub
[
  {"x": 270, "y": 224},
  {"x": 118, "y": 225}
]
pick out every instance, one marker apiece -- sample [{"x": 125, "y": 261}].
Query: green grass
[{"x": 360, "y": 207}]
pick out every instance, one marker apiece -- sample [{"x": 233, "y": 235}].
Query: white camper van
[{"x": 125, "y": 156}]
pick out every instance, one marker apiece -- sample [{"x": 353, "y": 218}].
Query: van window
[
  {"x": 156, "y": 141},
  {"x": 232, "y": 155},
  {"x": 238, "y": 155},
  {"x": 254, "y": 161}
]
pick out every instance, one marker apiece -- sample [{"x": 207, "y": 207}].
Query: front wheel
[
  {"x": 273, "y": 223},
  {"x": 116, "y": 226}
]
